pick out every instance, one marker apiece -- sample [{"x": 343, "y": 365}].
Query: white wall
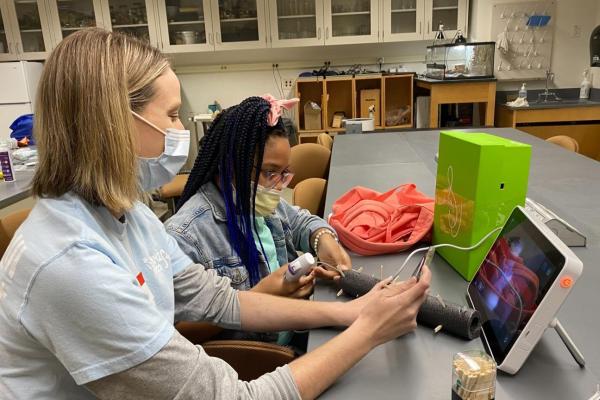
[
  {"x": 570, "y": 54},
  {"x": 220, "y": 76}
]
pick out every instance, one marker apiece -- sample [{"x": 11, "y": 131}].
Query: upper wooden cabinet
[
  {"x": 68, "y": 16},
  {"x": 403, "y": 20},
  {"x": 185, "y": 25},
  {"x": 26, "y": 29},
  {"x": 30, "y": 29},
  {"x": 450, "y": 13},
  {"x": 296, "y": 23},
  {"x": 239, "y": 24},
  {"x": 351, "y": 21},
  {"x": 137, "y": 18},
  {"x": 8, "y": 48}
]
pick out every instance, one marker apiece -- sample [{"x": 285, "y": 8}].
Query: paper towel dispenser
[{"x": 595, "y": 47}]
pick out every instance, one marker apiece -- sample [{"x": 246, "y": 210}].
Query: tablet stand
[{"x": 564, "y": 336}]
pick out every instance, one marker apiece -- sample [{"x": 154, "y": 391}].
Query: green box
[{"x": 481, "y": 178}]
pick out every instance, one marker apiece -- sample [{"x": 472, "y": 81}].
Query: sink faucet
[{"x": 543, "y": 97}]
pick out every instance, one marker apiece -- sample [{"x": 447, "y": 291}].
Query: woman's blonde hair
[{"x": 83, "y": 125}]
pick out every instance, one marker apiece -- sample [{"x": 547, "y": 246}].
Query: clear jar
[{"x": 473, "y": 376}]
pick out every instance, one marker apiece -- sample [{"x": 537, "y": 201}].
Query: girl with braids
[
  {"x": 231, "y": 215},
  {"x": 91, "y": 284}
]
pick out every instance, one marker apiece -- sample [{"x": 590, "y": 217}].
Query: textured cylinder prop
[
  {"x": 460, "y": 321},
  {"x": 455, "y": 319}
]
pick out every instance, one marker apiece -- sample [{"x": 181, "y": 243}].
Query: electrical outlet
[{"x": 288, "y": 83}]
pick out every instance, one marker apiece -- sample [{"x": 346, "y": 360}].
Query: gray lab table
[
  {"x": 417, "y": 366},
  {"x": 11, "y": 192}
]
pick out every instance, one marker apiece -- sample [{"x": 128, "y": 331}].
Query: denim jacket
[{"x": 200, "y": 228}]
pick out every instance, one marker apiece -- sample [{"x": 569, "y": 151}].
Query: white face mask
[{"x": 157, "y": 171}]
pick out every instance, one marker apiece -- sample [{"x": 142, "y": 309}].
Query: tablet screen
[{"x": 513, "y": 279}]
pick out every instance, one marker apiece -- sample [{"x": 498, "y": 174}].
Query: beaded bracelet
[{"x": 318, "y": 236}]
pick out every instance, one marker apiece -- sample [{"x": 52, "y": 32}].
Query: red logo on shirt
[{"x": 140, "y": 279}]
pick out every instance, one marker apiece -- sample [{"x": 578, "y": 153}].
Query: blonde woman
[{"x": 91, "y": 284}]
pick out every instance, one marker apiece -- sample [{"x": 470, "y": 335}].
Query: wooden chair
[
  {"x": 8, "y": 227},
  {"x": 565, "y": 142},
  {"x": 325, "y": 140},
  {"x": 310, "y": 194},
  {"x": 250, "y": 359},
  {"x": 309, "y": 160}
]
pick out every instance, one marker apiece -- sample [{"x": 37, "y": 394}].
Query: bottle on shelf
[
  {"x": 586, "y": 85},
  {"x": 523, "y": 91}
]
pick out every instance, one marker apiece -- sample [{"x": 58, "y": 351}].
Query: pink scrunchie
[{"x": 276, "y": 107}]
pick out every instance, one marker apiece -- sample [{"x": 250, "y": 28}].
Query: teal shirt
[{"x": 268, "y": 244}]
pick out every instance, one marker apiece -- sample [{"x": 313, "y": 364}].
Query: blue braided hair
[{"x": 232, "y": 148}]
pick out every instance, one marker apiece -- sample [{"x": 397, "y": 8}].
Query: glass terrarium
[{"x": 460, "y": 60}]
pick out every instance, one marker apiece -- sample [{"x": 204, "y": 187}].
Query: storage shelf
[
  {"x": 129, "y": 26},
  {"x": 239, "y": 20},
  {"x": 445, "y": 8},
  {"x": 367, "y": 76},
  {"x": 351, "y": 13},
  {"x": 296, "y": 16},
  {"x": 30, "y": 30},
  {"x": 186, "y": 22},
  {"x": 312, "y": 131},
  {"x": 404, "y": 10},
  {"x": 343, "y": 95},
  {"x": 76, "y": 28}
]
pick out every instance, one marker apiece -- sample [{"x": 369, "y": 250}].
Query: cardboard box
[
  {"x": 312, "y": 116},
  {"x": 338, "y": 118},
  {"x": 371, "y": 97},
  {"x": 480, "y": 179}
]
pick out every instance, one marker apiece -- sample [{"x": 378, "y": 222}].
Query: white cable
[
  {"x": 514, "y": 291},
  {"x": 277, "y": 84},
  {"x": 399, "y": 271},
  {"x": 326, "y": 265},
  {"x": 281, "y": 89}
]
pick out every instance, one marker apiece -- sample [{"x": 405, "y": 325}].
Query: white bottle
[
  {"x": 586, "y": 85},
  {"x": 523, "y": 91},
  {"x": 299, "y": 267}
]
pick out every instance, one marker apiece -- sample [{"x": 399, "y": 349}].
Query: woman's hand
[
  {"x": 332, "y": 253},
  {"x": 390, "y": 310},
  {"x": 276, "y": 284},
  {"x": 356, "y": 306}
]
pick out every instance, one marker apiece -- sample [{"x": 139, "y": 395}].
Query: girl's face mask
[{"x": 266, "y": 201}]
